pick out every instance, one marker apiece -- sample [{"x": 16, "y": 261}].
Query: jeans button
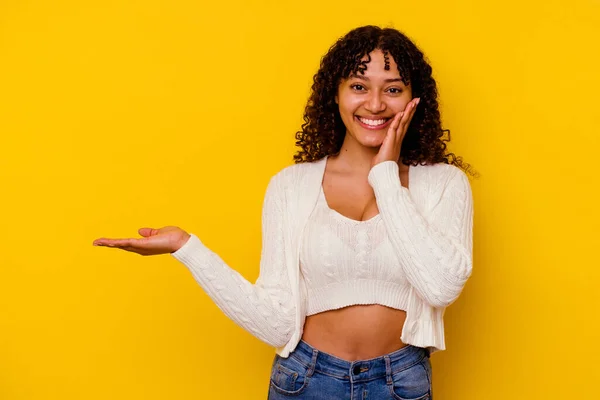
[{"x": 356, "y": 370}]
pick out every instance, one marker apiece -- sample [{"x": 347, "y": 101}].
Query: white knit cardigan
[{"x": 429, "y": 226}]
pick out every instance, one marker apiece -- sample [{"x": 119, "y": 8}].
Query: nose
[{"x": 375, "y": 103}]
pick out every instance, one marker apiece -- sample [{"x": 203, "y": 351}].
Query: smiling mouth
[{"x": 373, "y": 123}]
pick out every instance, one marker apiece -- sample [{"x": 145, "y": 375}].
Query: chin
[
  {"x": 372, "y": 142},
  {"x": 372, "y": 145}
]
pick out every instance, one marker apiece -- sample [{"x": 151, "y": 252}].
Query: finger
[
  {"x": 100, "y": 242},
  {"x": 408, "y": 114},
  {"x": 145, "y": 232},
  {"x": 135, "y": 250},
  {"x": 108, "y": 242},
  {"x": 408, "y": 111},
  {"x": 131, "y": 249},
  {"x": 414, "y": 109},
  {"x": 120, "y": 243},
  {"x": 391, "y": 133},
  {"x": 395, "y": 123},
  {"x": 399, "y": 131}
]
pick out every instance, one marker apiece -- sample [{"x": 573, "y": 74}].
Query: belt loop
[
  {"x": 313, "y": 362},
  {"x": 388, "y": 370}
]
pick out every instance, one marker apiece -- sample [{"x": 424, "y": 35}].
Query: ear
[{"x": 336, "y": 100}]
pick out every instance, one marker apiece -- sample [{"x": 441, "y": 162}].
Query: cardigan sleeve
[
  {"x": 265, "y": 308},
  {"x": 435, "y": 252}
]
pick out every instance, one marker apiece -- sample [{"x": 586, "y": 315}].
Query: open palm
[{"x": 154, "y": 241}]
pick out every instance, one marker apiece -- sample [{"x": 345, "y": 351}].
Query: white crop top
[{"x": 346, "y": 262}]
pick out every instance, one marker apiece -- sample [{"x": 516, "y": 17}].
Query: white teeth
[{"x": 372, "y": 122}]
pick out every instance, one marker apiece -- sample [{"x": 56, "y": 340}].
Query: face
[{"x": 368, "y": 103}]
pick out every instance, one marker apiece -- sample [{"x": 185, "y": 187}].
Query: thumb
[{"x": 146, "y": 232}]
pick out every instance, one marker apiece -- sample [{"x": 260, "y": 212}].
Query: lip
[{"x": 374, "y": 128}]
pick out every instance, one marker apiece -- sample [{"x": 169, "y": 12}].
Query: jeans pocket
[
  {"x": 289, "y": 376},
  {"x": 413, "y": 383}
]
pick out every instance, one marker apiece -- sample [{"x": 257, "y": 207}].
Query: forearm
[
  {"x": 437, "y": 264},
  {"x": 266, "y": 314}
]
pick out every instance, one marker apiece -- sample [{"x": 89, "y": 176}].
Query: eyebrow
[{"x": 365, "y": 78}]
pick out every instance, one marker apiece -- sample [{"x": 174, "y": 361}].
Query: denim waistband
[{"x": 369, "y": 369}]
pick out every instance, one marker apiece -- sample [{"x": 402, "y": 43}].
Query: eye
[
  {"x": 395, "y": 90},
  {"x": 357, "y": 86}
]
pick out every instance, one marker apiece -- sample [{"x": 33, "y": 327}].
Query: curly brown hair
[{"x": 323, "y": 131}]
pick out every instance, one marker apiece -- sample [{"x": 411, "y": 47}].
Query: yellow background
[{"x": 120, "y": 114}]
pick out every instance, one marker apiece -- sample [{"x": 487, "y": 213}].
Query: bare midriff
[{"x": 357, "y": 332}]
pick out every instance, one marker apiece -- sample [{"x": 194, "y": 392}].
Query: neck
[{"x": 355, "y": 157}]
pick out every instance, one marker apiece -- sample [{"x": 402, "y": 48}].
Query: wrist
[
  {"x": 377, "y": 161},
  {"x": 181, "y": 242}
]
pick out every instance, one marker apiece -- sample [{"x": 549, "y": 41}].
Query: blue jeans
[{"x": 309, "y": 373}]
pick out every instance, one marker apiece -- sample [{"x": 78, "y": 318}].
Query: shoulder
[
  {"x": 294, "y": 174},
  {"x": 442, "y": 176},
  {"x": 295, "y": 182}
]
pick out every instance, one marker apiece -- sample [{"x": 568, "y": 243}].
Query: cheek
[
  {"x": 402, "y": 102},
  {"x": 349, "y": 105}
]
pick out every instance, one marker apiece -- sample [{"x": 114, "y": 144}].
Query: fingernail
[{"x": 418, "y": 100}]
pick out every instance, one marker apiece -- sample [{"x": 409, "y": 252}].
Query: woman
[{"x": 366, "y": 239}]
